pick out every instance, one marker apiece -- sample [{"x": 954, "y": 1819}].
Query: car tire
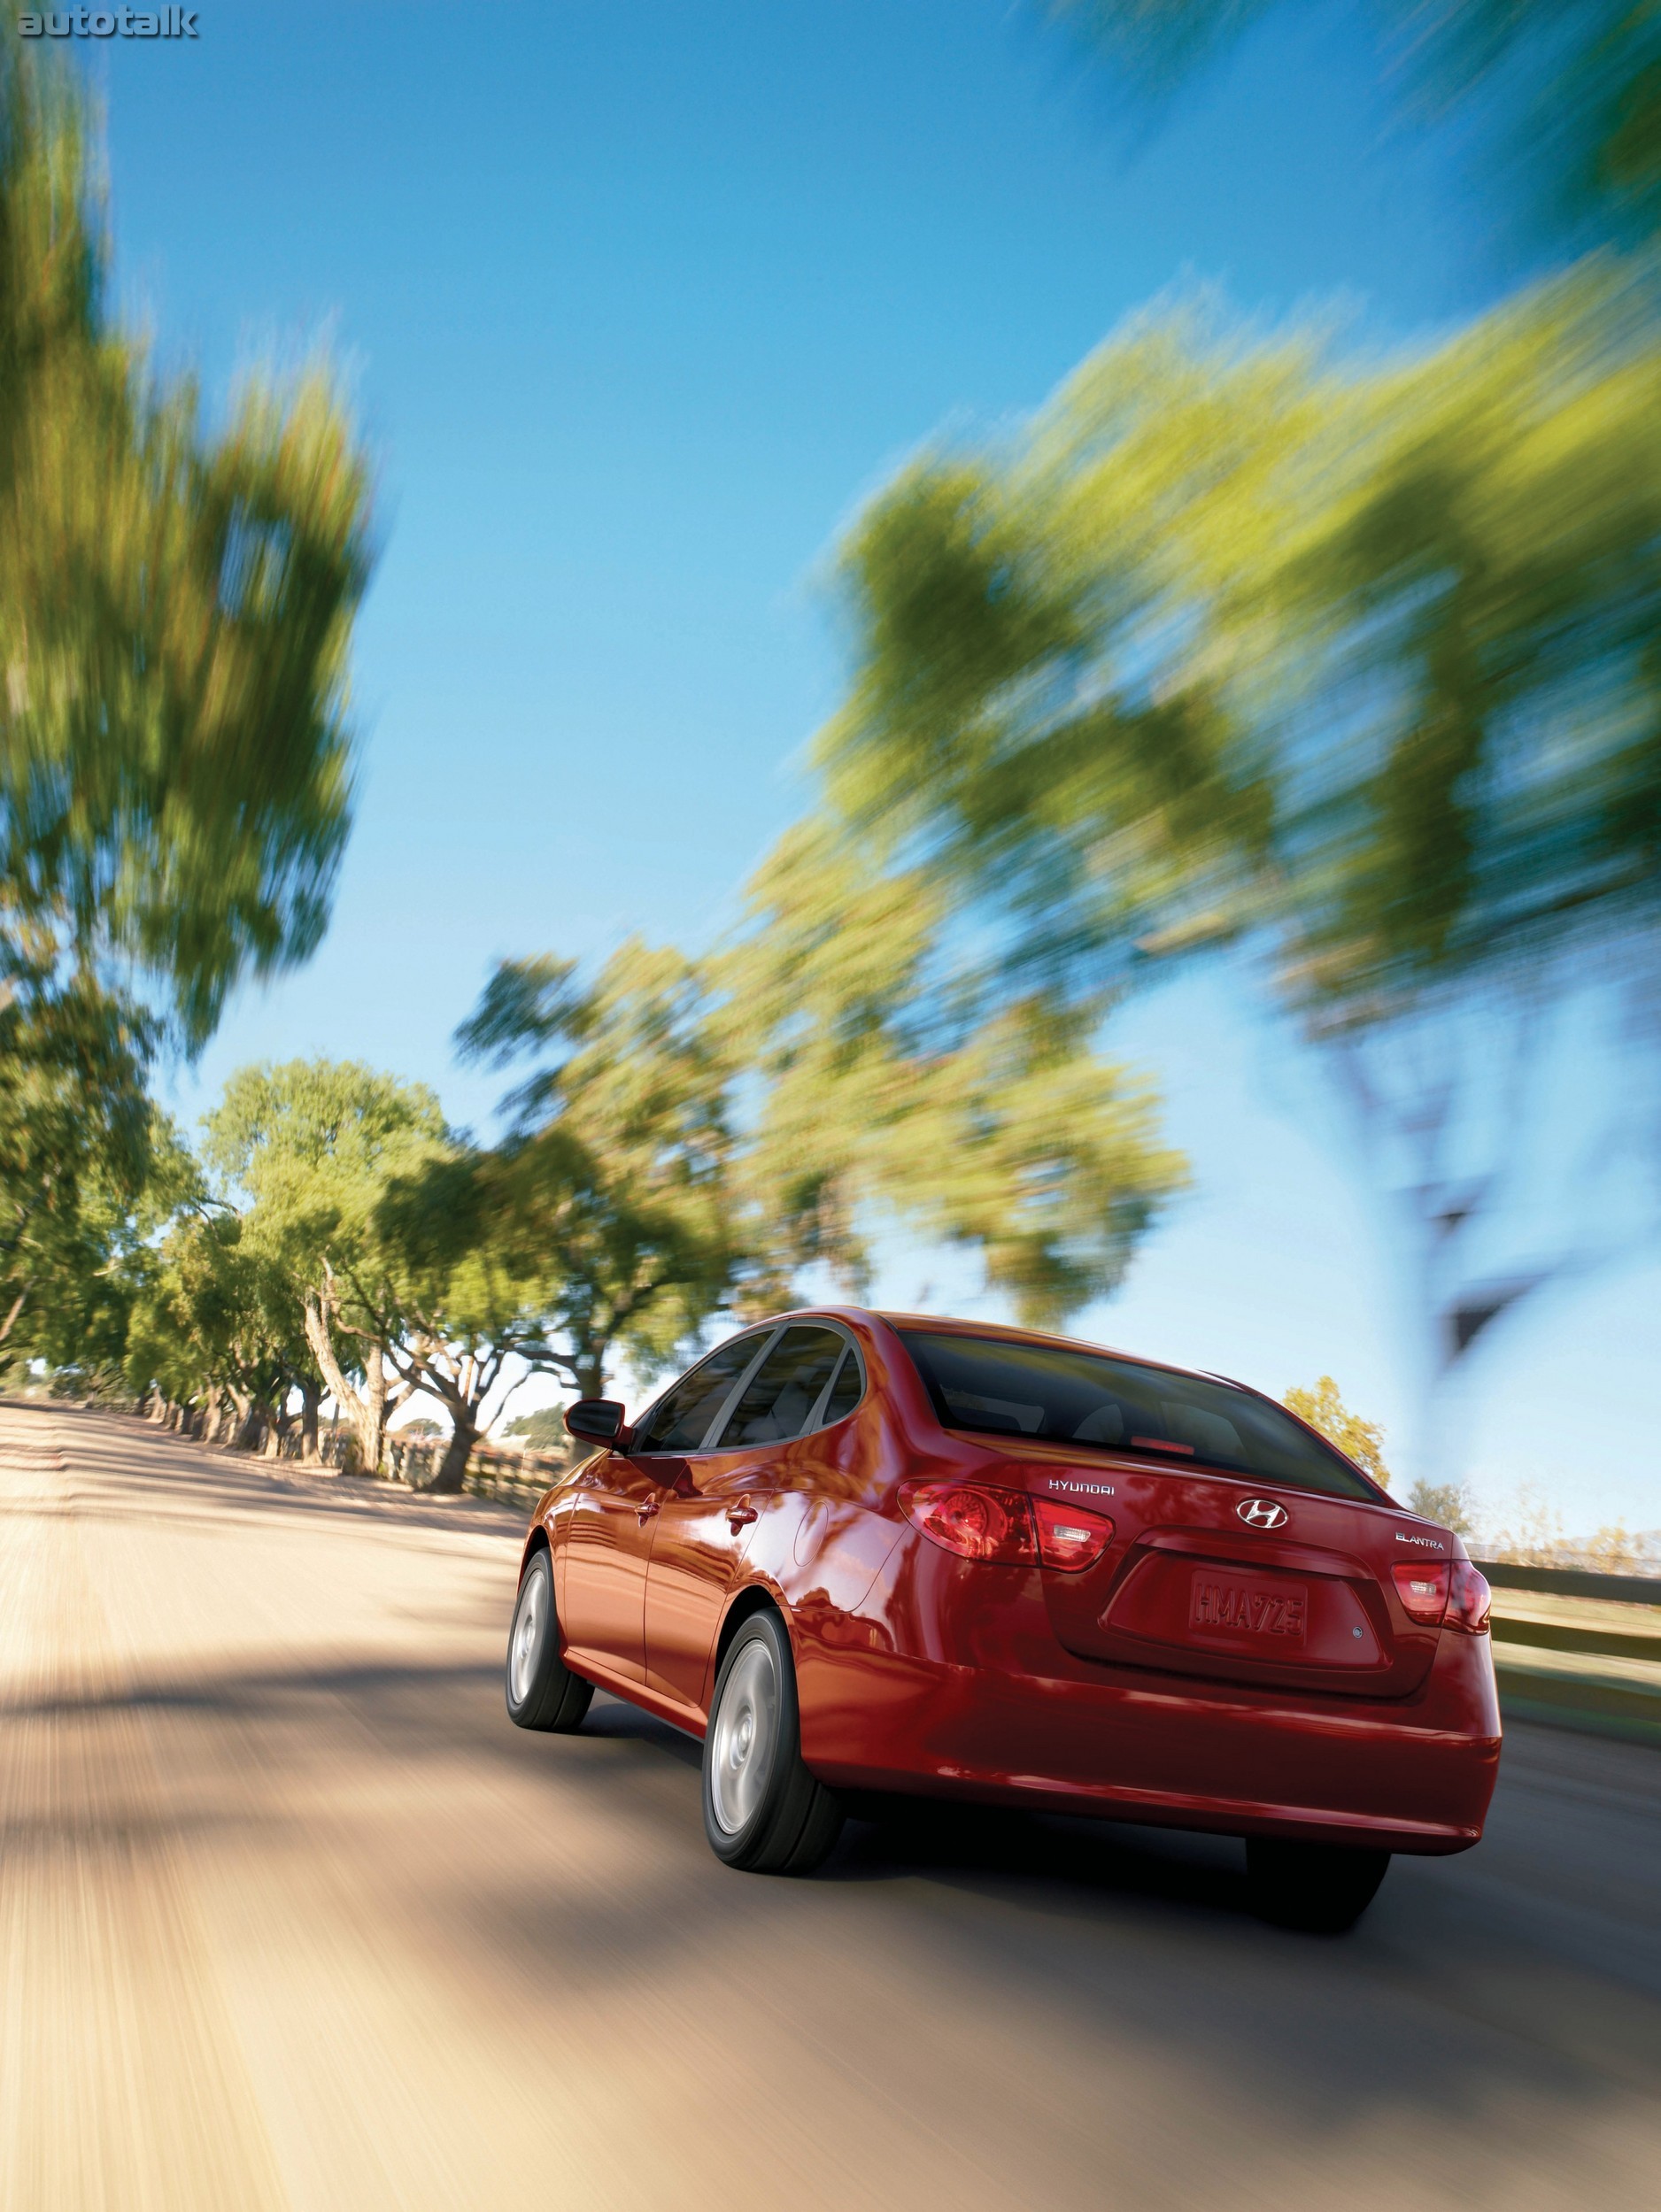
[
  {"x": 1320, "y": 1888},
  {"x": 542, "y": 1690},
  {"x": 763, "y": 1812}
]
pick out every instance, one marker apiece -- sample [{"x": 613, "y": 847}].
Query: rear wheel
[
  {"x": 764, "y": 1811},
  {"x": 1322, "y": 1888},
  {"x": 542, "y": 1690}
]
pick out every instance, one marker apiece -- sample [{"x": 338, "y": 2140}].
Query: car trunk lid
[{"x": 1214, "y": 1576}]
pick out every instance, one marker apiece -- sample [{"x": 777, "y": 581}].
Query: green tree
[
  {"x": 544, "y": 1430},
  {"x": 175, "y": 614},
  {"x": 79, "y": 1317},
  {"x": 616, "y": 1170},
  {"x": 408, "y": 1258},
  {"x": 470, "y": 1291},
  {"x": 213, "y": 1323},
  {"x": 175, "y": 608},
  {"x": 90, "y": 1168},
  {"x": 308, "y": 1153},
  {"x": 700, "y": 1133},
  {"x": 1360, "y": 1440},
  {"x": 1231, "y": 637},
  {"x": 1358, "y": 663},
  {"x": 884, "y": 1090},
  {"x": 1449, "y": 1504}
]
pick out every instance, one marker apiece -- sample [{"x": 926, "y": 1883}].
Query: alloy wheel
[{"x": 746, "y": 1738}]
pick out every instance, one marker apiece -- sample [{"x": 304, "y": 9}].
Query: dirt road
[{"x": 291, "y": 1917}]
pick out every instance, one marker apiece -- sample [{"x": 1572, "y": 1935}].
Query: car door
[
  {"x": 609, "y": 1532},
  {"x": 706, "y": 1518}
]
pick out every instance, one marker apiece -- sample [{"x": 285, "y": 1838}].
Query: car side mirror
[{"x": 597, "y": 1420}]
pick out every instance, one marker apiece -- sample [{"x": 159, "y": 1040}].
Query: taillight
[
  {"x": 973, "y": 1520},
  {"x": 1469, "y": 1598},
  {"x": 980, "y": 1521},
  {"x": 1423, "y": 1590},
  {"x": 1069, "y": 1537}
]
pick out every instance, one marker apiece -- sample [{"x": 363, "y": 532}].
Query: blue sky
[{"x": 637, "y": 300}]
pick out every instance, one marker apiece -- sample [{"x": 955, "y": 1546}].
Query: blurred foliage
[
  {"x": 174, "y": 763},
  {"x": 700, "y": 1135},
  {"x": 175, "y": 796},
  {"x": 544, "y": 1430},
  {"x": 1572, "y": 89},
  {"x": 1231, "y": 638},
  {"x": 1237, "y": 638},
  {"x": 470, "y": 1287},
  {"x": 213, "y": 1315},
  {"x": 1447, "y": 1504},
  {"x": 1536, "y": 1537},
  {"x": 881, "y": 1088},
  {"x": 174, "y": 614},
  {"x": 617, "y": 1165},
  {"x": 1355, "y": 661},
  {"x": 688, "y": 1137},
  {"x": 417, "y": 1262},
  {"x": 1360, "y": 1440},
  {"x": 89, "y": 1170},
  {"x": 76, "y": 1128},
  {"x": 1615, "y": 1549}
]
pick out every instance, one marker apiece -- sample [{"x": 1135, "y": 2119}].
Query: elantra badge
[{"x": 1260, "y": 1513}]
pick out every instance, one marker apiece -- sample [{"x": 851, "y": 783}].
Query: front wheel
[
  {"x": 1321, "y": 1888},
  {"x": 764, "y": 1811},
  {"x": 542, "y": 1690}
]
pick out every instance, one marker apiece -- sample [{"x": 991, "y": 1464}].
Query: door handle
[
  {"x": 644, "y": 1513},
  {"x": 739, "y": 1514}
]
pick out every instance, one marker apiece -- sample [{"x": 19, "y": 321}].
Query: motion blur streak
[{"x": 293, "y": 1917}]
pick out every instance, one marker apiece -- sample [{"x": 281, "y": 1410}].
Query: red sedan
[{"x": 864, "y": 1552}]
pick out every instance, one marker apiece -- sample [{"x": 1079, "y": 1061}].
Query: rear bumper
[{"x": 1414, "y": 1778}]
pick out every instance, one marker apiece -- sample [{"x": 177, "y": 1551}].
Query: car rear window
[{"x": 1092, "y": 1400}]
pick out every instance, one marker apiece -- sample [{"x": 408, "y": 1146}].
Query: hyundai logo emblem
[{"x": 1260, "y": 1513}]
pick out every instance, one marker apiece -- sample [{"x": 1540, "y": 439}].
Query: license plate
[{"x": 1223, "y": 1606}]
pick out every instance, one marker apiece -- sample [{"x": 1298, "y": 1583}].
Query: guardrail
[
  {"x": 1573, "y": 1582},
  {"x": 1585, "y": 1654}
]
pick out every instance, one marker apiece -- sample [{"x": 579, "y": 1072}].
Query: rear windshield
[{"x": 1092, "y": 1400}]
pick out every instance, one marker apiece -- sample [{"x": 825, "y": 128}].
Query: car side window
[
  {"x": 680, "y": 1420},
  {"x": 845, "y": 1391},
  {"x": 780, "y": 1396}
]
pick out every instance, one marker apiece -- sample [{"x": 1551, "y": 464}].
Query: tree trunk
[
  {"x": 371, "y": 1427},
  {"x": 245, "y": 1430},
  {"x": 365, "y": 1410},
  {"x": 279, "y": 1420},
  {"x": 310, "y": 1396},
  {"x": 453, "y": 1466}
]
